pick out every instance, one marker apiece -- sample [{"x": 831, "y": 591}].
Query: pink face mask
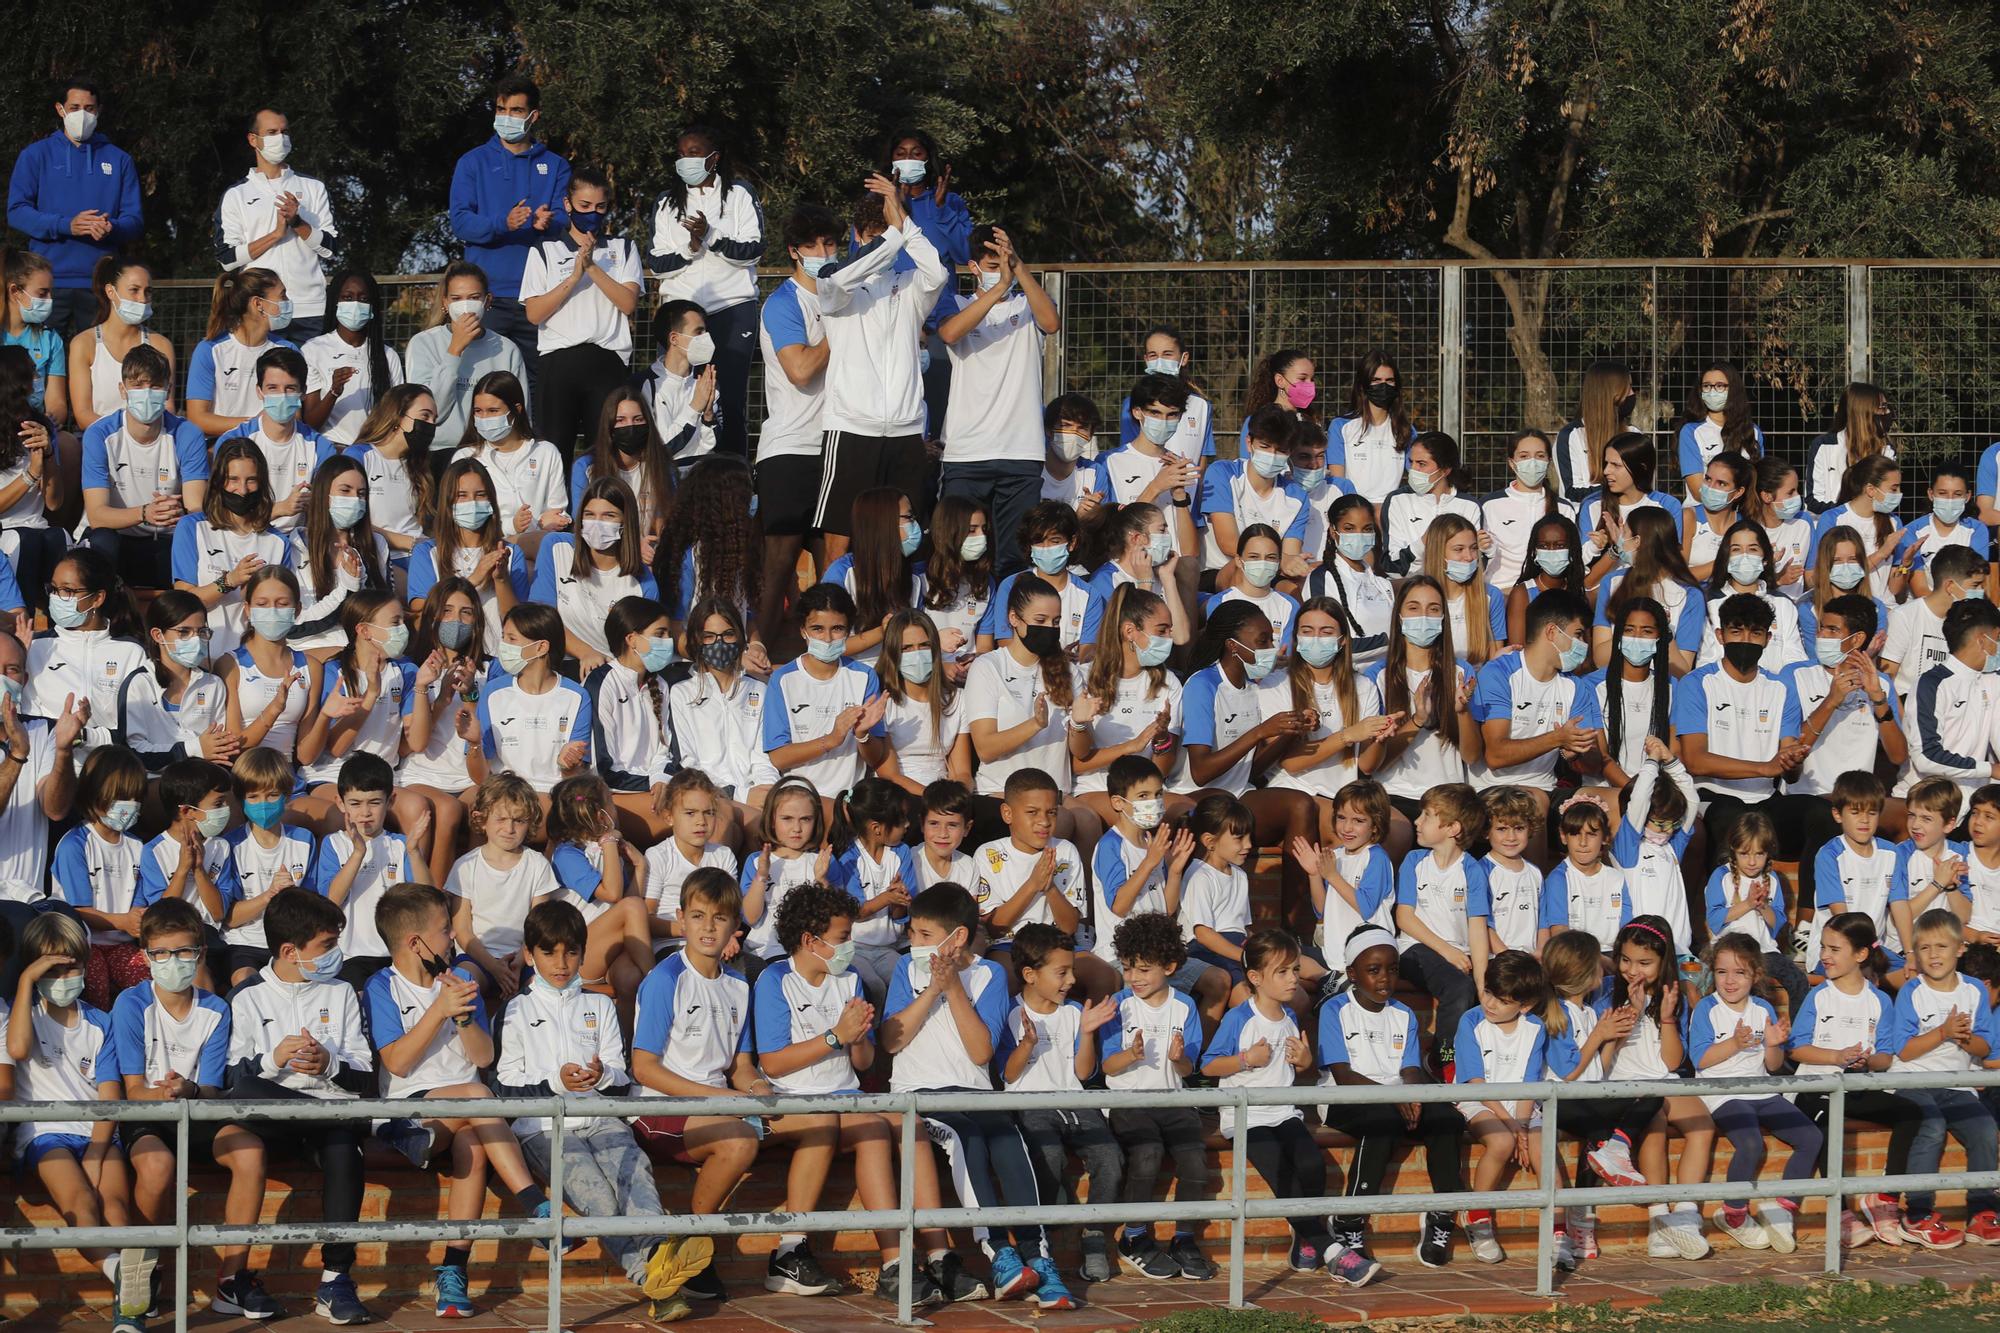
[
  {"x": 1659, "y": 837},
  {"x": 1301, "y": 394}
]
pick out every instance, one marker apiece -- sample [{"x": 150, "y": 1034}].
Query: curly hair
[
  {"x": 811, "y": 909},
  {"x": 1150, "y": 937},
  {"x": 711, "y": 517}
]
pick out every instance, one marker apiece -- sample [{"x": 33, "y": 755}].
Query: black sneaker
[
  {"x": 1187, "y": 1256},
  {"x": 1434, "y": 1250},
  {"x": 798, "y": 1274},
  {"x": 1143, "y": 1255},
  {"x": 923, "y": 1291},
  {"x": 244, "y": 1295},
  {"x": 705, "y": 1286},
  {"x": 954, "y": 1284}
]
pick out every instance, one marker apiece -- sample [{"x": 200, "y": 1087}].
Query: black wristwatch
[{"x": 832, "y": 1040}]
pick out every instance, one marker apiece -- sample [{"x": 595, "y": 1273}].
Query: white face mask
[
  {"x": 1147, "y": 814},
  {"x": 79, "y": 125},
  {"x": 601, "y": 534},
  {"x": 275, "y": 148},
  {"x": 989, "y": 279},
  {"x": 470, "y": 306},
  {"x": 700, "y": 349}
]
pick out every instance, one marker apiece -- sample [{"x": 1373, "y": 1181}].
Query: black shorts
[
  {"x": 787, "y": 492},
  {"x": 201, "y": 1134},
  {"x": 236, "y": 957},
  {"x": 855, "y": 463}
]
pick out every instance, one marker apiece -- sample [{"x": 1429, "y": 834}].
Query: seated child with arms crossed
[
  {"x": 1152, "y": 1046},
  {"x": 432, "y": 1038},
  {"x": 548, "y": 1027}
]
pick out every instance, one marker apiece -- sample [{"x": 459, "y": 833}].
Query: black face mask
[
  {"x": 419, "y": 434},
  {"x": 1384, "y": 395},
  {"x": 433, "y": 965},
  {"x": 240, "y": 505},
  {"x": 1742, "y": 657},
  {"x": 1625, "y": 407},
  {"x": 1042, "y": 640},
  {"x": 630, "y": 440}
]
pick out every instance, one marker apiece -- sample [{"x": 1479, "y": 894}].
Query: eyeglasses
[
  {"x": 184, "y": 632},
  {"x": 188, "y": 955},
  {"x": 55, "y": 590}
]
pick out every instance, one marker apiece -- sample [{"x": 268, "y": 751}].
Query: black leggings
[
  {"x": 1293, "y": 1165},
  {"x": 334, "y": 1144},
  {"x": 1595, "y": 1121},
  {"x": 990, "y": 1167},
  {"x": 1377, "y": 1130},
  {"x": 573, "y": 385},
  {"x": 141, "y": 561},
  {"x": 734, "y": 354},
  {"x": 1899, "y": 1113}
]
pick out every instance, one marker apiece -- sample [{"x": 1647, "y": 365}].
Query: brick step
[{"x": 400, "y": 1193}]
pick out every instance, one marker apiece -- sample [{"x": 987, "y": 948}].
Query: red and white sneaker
[
  {"x": 1984, "y": 1229},
  {"x": 1883, "y": 1217},
  {"x": 1583, "y": 1230},
  {"x": 1854, "y": 1233},
  {"x": 1932, "y": 1233},
  {"x": 1612, "y": 1161}
]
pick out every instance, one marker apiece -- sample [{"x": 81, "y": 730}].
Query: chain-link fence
[{"x": 1486, "y": 349}]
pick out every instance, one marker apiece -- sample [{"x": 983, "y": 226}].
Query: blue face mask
[
  {"x": 354, "y": 315},
  {"x": 1423, "y": 631},
  {"x": 1157, "y": 650},
  {"x": 1847, "y": 574},
  {"x": 273, "y": 622},
  {"x": 325, "y": 968},
  {"x": 1269, "y": 464},
  {"x": 346, "y": 510},
  {"x": 1355, "y": 545},
  {"x": 1552, "y": 563},
  {"x": 587, "y": 223},
  {"x": 658, "y": 656},
  {"x": 264, "y": 814},
  {"x": 1461, "y": 571},
  {"x": 1310, "y": 478},
  {"x": 1789, "y": 507},
  {"x": 1638, "y": 651},
  {"x": 283, "y": 319},
  {"x": 471, "y": 515},
  {"x": 814, "y": 264},
  {"x": 913, "y": 537},
  {"x": 1830, "y": 652},
  {"x": 1713, "y": 498},
  {"x": 281, "y": 407},
  {"x": 1948, "y": 512},
  {"x": 494, "y": 429},
  {"x": 1157, "y": 431},
  {"x": 1624, "y": 553},
  {"x": 16, "y": 689},
  {"x": 917, "y": 665},
  {"x": 145, "y": 405},
  {"x": 1572, "y": 656},
  {"x": 827, "y": 650},
  {"x": 570, "y": 987},
  {"x": 1318, "y": 649},
  {"x": 1051, "y": 559}
]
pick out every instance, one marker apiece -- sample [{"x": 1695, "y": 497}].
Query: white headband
[{"x": 1374, "y": 937}]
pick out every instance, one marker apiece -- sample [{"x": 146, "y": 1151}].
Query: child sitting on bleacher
[
  {"x": 265, "y": 855},
  {"x": 493, "y": 887},
  {"x": 1503, "y": 1041}
]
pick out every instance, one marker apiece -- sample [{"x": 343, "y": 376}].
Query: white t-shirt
[
  {"x": 667, "y": 868},
  {"x": 1240, "y": 1029},
  {"x": 1004, "y": 868},
  {"x": 1001, "y": 690},
  {"x": 921, "y": 749},
  {"x": 1134, "y": 705},
  {"x": 1216, "y": 897},
  {"x": 330, "y": 352},
  {"x": 995, "y": 412},
  {"x": 1052, "y": 1066},
  {"x": 501, "y": 898},
  {"x": 587, "y": 316},
  {"x": 528, "y": 474}
]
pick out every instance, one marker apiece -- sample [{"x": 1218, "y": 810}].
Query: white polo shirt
[
  {"x": 587, "y": 317},
  {"x": 1740, "y": 720},
  {"x": 790, "y": 318}
]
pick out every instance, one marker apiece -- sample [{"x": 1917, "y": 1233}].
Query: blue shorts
[
  {"x": 1199, "y": 953},
  {"x": 44, "y": 1144},
  {"x": 1190, "y": 972}
]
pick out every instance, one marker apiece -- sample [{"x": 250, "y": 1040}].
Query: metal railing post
[
  {"x": 1053, "y": 370},
  {"x": 1451, "y": 352},
  {"x": 555, "y": 1242},
  {"x": 1860, "y": 322},
  {"x": 1545, "y": 1259},
  {"x": 1238, "y": 1224},
  {"x": 1836, "y": 1172},
  {"x": 181, "y": 1217},
  {"x": 907, "y": 1189}
]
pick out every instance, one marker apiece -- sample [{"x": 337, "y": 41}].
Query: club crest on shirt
[
  {"x": 984, "y": 891},
  {"x": 325, "y": 1018}
]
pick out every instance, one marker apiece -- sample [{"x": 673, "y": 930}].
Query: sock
[
  {"x": 1561, "y": 1228},
  {"x": 457, "y": 1256},
  {"x": 328, "y": 1275},
  {"x": 1133, "y": 1233},
  {"x": 1656, "y": 1210},
  {"x": 110, "y": 1267},
  {"x": 789, "y": 1241},
  {"x": 1734, "y": 1216},
  {"x": 1478, "y": 1215},
  {"x": 1688, "y": 1208},
  {"x": 531, "y": 1198}
]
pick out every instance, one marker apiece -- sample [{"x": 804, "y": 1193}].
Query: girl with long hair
[
  {"x": 711, "y": 547},
  {"x": 1606, "y": 402},
  {"x": 1366, "y": 446},
  {"x": 1426, "y": 690},
  {"x": 1627, "y": 468},
  {"x": 1777, "y": 505},
  {"x": 626, "y": 445},
  {"x": 1508, "y": 516},
  {"x": 880, "y": 570},
  {"x": 1718, "y": 503},
  {"x": 457, "y": 350},
  {"x": 718, "y": 707},
  {"x": 245, "y": 310},
  {"x": 632, "y": 729},
  {"x": 927, "y": 736},
  {"x": 1870, "y": 491},
  {"x": 363, "y": 690},
  {"x": 465, "y": 543},
  {"x": 124, "y": 288},
  {"x": 30, "y": 283},
  {"x": 1649, "y": 551},
  {"x": 218, "y": 550},
  {"x": 1283, "y": 379},
  {"x": 349, "y": 364},
  {"x": 31, "y": 480},
  {"x": 1350, "y": 574},
  {"x": 1716, "y": 420},
  {"x": 1432, "y": 487},
  {"x": 1744, "y": 566},
  {"x": 1860, "y": 430},
  {"x": 1554, "y": 561},
  {"x": 92, "y": 647},
  {"x": 1134, "y": 702},
  {"x": 1839, "y": 565},
  {"x": 1477, "y": 609},
  {"x": 393, "y": 446},
  {"x": 531, "y": 490},
  {"x": 1018, "y": 703},
  {"x": 273, "y": 687},
  {"x": 335, "y": 552},
  {"x": 454, "y": 665},
  {"x": 1137, "y": 548},
  {"x": 958, "y": 579},
  {"x": 1635, "y": 693},
  {"x": 1346, "y": 710},
  {"x": 583, "y": 574}
]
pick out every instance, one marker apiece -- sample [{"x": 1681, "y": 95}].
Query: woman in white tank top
[{"x": 97, "y": 355}]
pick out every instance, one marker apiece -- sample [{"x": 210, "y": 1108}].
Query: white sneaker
[
  {"x": 1566, "y": 1260},
  {"x": 1612, "y": 1161},
  {"x": 1583, "y": 1228},
  {"x": 1485, "y": 1244},
  {"x": 1854, "y": 1233},
  {"x": 1748, "y": 1234},
  {"x": 1658, "y": 1244},
  {"x": 1777, "y": 1221},
  {"x": 1684, "y": 1233}
]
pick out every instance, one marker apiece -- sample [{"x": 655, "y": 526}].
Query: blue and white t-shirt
[
  {"x": 1713, "y": 1020},
  {"x": 1226, "y": 489},
  {"x": 526, "y": 732},
  {"x": 799, "y": 706},
  {"x": 1833, "y": 1020},
  {"x": 395, "y": 1005},
  {"x": 696, "y": 1025},
  {"x": 1508, "y": 689},
  {"x": 1595, "y": 902},
  {"x": 1155, "y": 1026},
  {"x": 1745, "y": 720},
  {"x": 935, "y": 1056},
  {"x": 153, "y": 1043},
  {"x": 1240, "y": 1029},
  {"x": 1444, "y": 897},
  {"x": 1378, "y": 1044},
  {"x": 788, "y": 1009}
]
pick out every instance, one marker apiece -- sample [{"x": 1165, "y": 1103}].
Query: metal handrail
[{"x": 1237, "y": 1210}]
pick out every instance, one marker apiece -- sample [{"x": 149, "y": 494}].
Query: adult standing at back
[
  {"x": 277, "y": 219},
  {"x": 75, "y": 195},
  {"x": 911, "y": 160},
  {"x": 506, "y": 198},
  {"x": 993, "y": 440},
  {"x": 708, "y": 234}
]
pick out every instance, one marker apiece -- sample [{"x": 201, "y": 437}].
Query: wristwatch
[{"x": 832, "y": 1040}]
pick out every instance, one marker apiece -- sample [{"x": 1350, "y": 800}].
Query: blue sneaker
[
  {"x": 454, "y": 1301},
  {"x": 1352, "y": 1268},
  {"x": 1052, "y": 1294},
  {"x": 571, "y": 1244},
  {"x": 1012, "y": 1279},
  {"x": 337, "y": 1302}
]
